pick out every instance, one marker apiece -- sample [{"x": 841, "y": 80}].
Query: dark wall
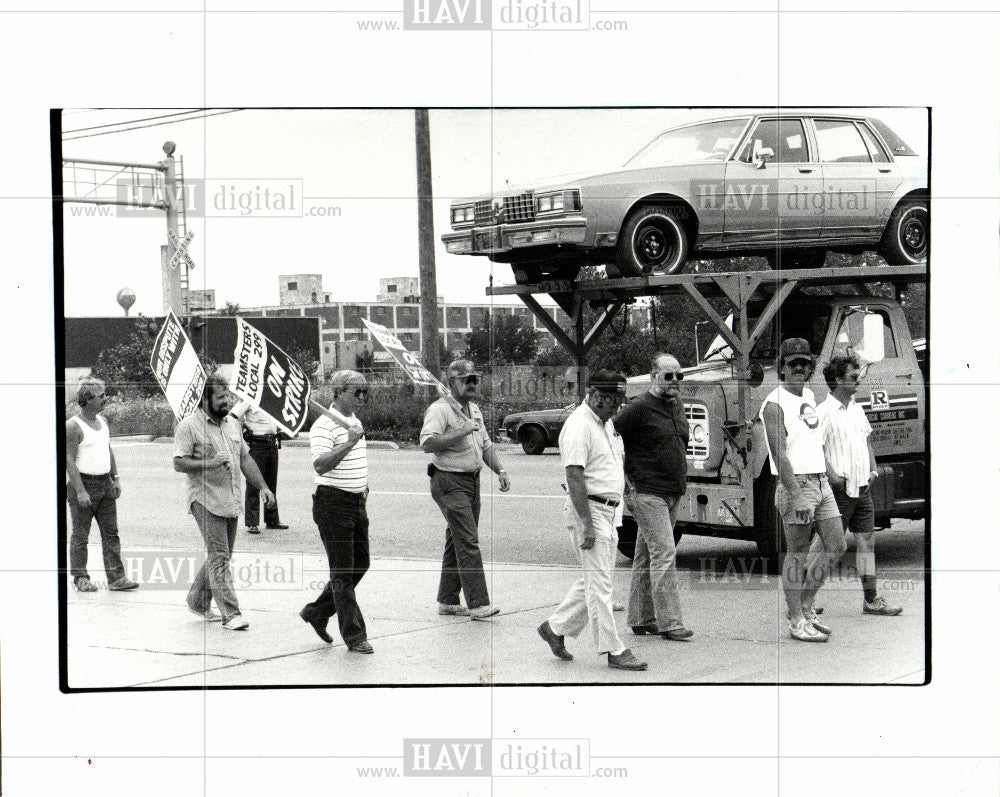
[{"x": 86, "y": 338}]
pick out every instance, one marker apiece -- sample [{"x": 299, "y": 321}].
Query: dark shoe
[
  {"x": 319, "y": 626},
  {"x": 626, "y": 661},
  {"x": 253, "y": 530},
  {"x": 84, "y": 584},
  {"x": 879, "y": 606},
  {"x": 556, "y": 642},
  {"x": 364, "y": 646},
  {"x": 122, "y": 584},
  {"x": 678, "y": 634},
  {"x": 642, "y": 630},
  {"x": 278, "y": 526}
]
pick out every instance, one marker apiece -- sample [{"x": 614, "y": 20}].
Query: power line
[
  {"x": 154, "y": 124},
  {"x": 135, "y": 121}
]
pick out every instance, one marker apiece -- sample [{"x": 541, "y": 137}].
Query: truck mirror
[
  {"x": 873, "y": 340},
  {"x": 755, "y": 375},
  {"x": 761, "y": 156}
]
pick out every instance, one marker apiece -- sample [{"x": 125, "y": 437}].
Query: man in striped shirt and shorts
[
  {"x": 850, "y": 467},
  {"x": 341, "y": 464}
]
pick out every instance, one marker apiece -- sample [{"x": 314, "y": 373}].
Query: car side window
[
  {"x": 840, "y": 142},
  {"x": 876, "y": 149},
  {"x": 851, "y": 332},
  {"x": 786, "y": 137}
]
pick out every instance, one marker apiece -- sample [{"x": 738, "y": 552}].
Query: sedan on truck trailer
[{"x": 783, "y": 184}]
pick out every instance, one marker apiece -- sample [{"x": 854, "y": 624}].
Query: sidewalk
[{"x": 149, "y": 638}]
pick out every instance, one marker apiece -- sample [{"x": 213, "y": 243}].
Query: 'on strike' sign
[{"x": 269, "y": 379}]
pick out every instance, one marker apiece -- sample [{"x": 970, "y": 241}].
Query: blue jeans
[
  {"x": 457, "y": 495},
  {"x": 215, "y": 579},
  {"x": 342, "y": 518},
  {"x": 104, "y": 508},
  {"x": 654, "y": 598}
]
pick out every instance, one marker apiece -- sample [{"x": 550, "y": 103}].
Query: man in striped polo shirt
[
  {"x": 341, "y": 463},
  {"x": 850, "y": 467}
]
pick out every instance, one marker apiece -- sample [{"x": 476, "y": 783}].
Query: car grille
[
  {"x": 516, "y": 208},
  {"x": 696, "y": 413}
]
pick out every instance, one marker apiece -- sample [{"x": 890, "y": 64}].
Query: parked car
[
  {"x": 789, "y": 186},
  {"x": 536, "y": 430}
]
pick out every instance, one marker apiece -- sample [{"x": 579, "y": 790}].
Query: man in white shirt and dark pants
[
  {"x": 340, "y": 460},
  {"x": 592, "y": 453},
  {"x": 261, "y": 435},
  {"x": 850, "y": 467}
]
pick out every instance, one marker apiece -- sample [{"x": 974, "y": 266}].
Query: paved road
[
  {"x": 523, "y": 526},
  {"x": 147, "y": 638}
]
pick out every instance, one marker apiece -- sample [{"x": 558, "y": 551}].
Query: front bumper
[{"x": 500, "y": 238}]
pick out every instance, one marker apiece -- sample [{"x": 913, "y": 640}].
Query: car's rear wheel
[
  {"x": 652, "y": 241},
  {"x": 907, "y": 238},
  {"x": 532, "y": 439}
]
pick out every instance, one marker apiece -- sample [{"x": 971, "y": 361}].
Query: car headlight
[
  {"x": 698, "y": 434},
  {"x": 558, "y": 201}
]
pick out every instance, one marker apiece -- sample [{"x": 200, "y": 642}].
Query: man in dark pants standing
[
  {"x": 455, "y": 433},
  {"x": 340, "y": 460},
  {"x": 94, "y": 489},
  {"x": 261, "y": 434},
  {"x": 655, "y": 431}
]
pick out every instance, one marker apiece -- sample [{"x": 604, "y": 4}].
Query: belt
[
  {"x": 95, "y": 476},
  {"x": 270, "y": 438},
  {"x": 606, "y": 501}
]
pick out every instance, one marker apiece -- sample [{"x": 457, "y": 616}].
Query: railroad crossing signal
[{"x": 180, "y": 256}]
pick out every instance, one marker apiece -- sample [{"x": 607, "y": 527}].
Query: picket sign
[{"x": 176, "y": 366}]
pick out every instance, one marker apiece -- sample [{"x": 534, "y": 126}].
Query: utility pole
[
  {"x": 429, "y": 347},
  {"x": 173, "y": 291}
]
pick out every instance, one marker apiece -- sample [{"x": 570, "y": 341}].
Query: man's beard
[{"x": 218, "y": 414}]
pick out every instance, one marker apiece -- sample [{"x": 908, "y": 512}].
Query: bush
[
  {"x": 128, "y": 416},
  {"x": 395, "y": 411}
]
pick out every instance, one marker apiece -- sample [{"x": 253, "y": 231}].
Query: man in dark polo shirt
[{"x": 655, "y": 432}]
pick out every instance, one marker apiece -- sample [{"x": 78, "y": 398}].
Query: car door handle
[
  {"x": 885, "y": 171},
  {"x": 805, "y": 171},
  {"x": 905, "y": 376}
]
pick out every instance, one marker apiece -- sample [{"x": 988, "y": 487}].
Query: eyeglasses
[
  {"x": 614, "y": 398},
  {"x": 361, "y": 393},
  {"x": 472, "y": 380},
  {"x": 804, "y": 364},
  {"x": 670, "y": 376},
  {"x": 852, "y": 378}
]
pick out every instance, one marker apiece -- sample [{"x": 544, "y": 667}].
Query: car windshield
[{"x": 710, "y": 141}]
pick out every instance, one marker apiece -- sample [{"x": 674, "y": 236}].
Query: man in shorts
[{"x": 803, "y": 497}]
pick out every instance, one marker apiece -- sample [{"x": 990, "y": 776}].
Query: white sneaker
[
  {"x": 208, "y": 616},
  {"x": 236, "y": 623},
  {"x": 456, "y": 609},
  {"x": 805, "y": 631},
  {"x": 484, "y": 612}
]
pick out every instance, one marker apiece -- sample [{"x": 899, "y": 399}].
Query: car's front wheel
[
  {"x": 907, "y": 238},
  {"x": 652, "y": 241},
  {"x": 532, "y": 439}
]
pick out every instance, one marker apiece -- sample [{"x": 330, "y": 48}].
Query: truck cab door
[{"x": 892, "y": 391}]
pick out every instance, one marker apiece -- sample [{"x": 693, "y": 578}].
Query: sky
[{"x": 359, "y": 161}]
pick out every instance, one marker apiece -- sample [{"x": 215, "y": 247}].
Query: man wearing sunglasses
[
  {"x": 340, "y": 460},
  {"x": 455, "y": 433},
  {"x": 803, "y": 496},
  {"x": 850, "y": 467},
  {"x": 592, "y": 454},
  {"x": 655, "y": 431}
]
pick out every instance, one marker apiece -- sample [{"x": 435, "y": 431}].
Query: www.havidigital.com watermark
[
  {"x": 214, "y": 198},
  {"x": 500, "y": 15},
  {"x": 177, "y": 569},
  {"x": 463, "y": 757}
]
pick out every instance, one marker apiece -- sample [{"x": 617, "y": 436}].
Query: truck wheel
[
  {"x": 652, "y": 240},
  {"x": 907, "y": 237},
  {"x": 532, "y": 439},
  {"x": 768, "y": 530},
  {"x": 526, "y": 275}
]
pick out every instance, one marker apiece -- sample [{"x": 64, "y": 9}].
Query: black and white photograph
[
  {"x": 500, "y": 397},
  {"x": 693, "y": 257}
]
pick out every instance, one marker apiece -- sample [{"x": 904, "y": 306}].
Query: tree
[
  {"x": 125, "y": 369},
  {"x": 231, "y": 308},
  {"x": 511, "y": 342},
  {"x": 305, "y": 358}
]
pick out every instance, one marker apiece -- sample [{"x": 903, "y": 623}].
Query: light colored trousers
[
  {"x": 653, "y": 597},
  {"x": 589, "y": 599}
]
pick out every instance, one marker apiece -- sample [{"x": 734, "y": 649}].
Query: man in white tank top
[
  {"x": 803, "y": 496},
  {"x": 94, "y": 488}
]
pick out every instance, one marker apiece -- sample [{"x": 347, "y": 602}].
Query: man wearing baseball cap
[
  {"x": 455, "y": 433},
  {"x": 592, "y": 453},
  {"x": 803, "y": 497}
]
